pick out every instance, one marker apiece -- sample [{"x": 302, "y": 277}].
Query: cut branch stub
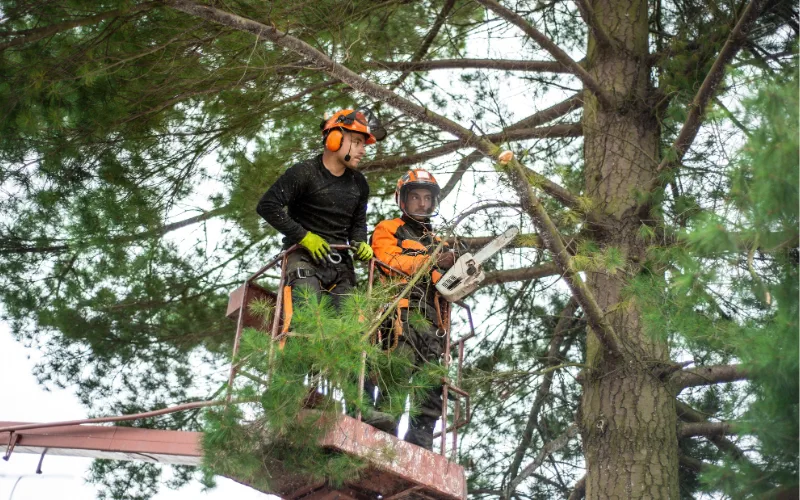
[
  {"x": 707, "y": 375},
  {"x": 707, "y": 429}
]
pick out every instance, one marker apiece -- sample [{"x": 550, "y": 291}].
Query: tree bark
[
  {"x": 707, "y": 375},
  {"x": 627, "y": 416}
]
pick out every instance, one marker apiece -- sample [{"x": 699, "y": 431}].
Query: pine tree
[{"x": 638, "y": 340}]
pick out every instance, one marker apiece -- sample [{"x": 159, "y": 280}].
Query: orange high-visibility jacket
[{"x": 404, "y": 244}]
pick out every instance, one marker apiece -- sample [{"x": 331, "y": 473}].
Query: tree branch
[
  {"x": 522, "y": 274},
  {"x": 689, "y": 414},
  {"x": 521, "y": 241},
  {"x": 692, "y": 463},
  {"x": 480, "y": 207},
  {"x": 560, "y": 130},
  {"x": 588, "y": 15},
  {"x": 458, "y": 174},
  {"x": 324, "y": 63},
  {"x": 707, "y": 429},
  {"x": 700, "y": 102},
  {"x": 549, "y": 114},
  {"x": 496, "y": 64},
  {"x": 426, "y": 43},
  {"x": 519, "y": 174},
  {"x": 160, "y": 231},
  {"x": 35, "y": 34},
  {"x": 547, "y": 450},
  {"x": 8, "y": 249},
  {"x": 579, "y": 491},
  {"x": 564, "y": 321},
  {"x": 554, "y": 50},
  {"x": 406, "y": 160},
  {"x": 552, "y": 239},
  {"x": 707, "y": 375},
  {"x": 542, "y": 117}
]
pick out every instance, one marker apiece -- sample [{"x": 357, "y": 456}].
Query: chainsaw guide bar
[{"x": 466, "y": 274}]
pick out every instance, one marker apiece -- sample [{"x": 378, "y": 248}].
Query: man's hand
[
  {"x": 316, "y": 246},
  {"x": 446, "y": 260},
  {"x": 362, "y": 250}
]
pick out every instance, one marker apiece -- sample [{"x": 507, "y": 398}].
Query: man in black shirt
[{"x": 323, "y": 201}]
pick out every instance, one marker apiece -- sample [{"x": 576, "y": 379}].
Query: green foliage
[
  {"x": 757, "y": 323},
  {"x": 134, "y": 480},
  {"x": 301, "y": 388},
  {"x": 764, "y": 191},
  {"x": 591, "y": 258}
]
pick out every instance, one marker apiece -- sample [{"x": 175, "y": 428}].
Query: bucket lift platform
[
  {"x": 406, "y": 472},
  {"x": 411, "y": 473}
]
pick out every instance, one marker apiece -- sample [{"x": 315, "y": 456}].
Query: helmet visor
[
  {"x": 365, "y": 116},
  {"x": 419, "y": 199}
]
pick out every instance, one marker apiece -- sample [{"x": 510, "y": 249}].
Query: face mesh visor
[
  {"x": 425, "y": 188},
  {"x": 366, "y": 117}
]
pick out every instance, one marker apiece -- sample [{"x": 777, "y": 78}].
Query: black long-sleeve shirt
[{"x": 317, "y": 201}]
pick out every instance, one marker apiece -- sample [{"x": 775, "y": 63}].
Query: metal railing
[{"x": 278, "y": 334}]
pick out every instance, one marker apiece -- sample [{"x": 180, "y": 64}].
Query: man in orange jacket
[{"x": 406, "y": 244}]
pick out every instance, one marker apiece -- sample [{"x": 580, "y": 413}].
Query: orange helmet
[
  {"x": 348, "y": 119},
  {"x": 415, "y": 179}
]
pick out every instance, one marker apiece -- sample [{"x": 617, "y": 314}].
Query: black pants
[
  {"x": 420, "y": 345},
  {"x": 324, "y": 278}
]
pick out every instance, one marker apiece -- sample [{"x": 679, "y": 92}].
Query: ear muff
[{"x": 333, "y": 142}]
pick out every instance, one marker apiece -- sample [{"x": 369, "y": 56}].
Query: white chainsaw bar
[{"x": 466, "y": 274}]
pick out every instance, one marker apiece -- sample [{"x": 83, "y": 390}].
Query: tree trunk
[{"x": 627, "y": 417}]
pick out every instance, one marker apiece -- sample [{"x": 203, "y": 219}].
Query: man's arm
[
  {"x": 384, "y": 244},
  {"x": 358, "y": 224},
  {"x": 273, "y": 203}
]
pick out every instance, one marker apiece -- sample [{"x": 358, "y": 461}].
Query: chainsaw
[{"x": 466, "y": 274}]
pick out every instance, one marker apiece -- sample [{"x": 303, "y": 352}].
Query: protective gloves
[
  {"x": 363, "y": 251},
  {"x": 316, "y": 246}
]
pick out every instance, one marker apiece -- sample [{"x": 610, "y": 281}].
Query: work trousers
[
  {"x": 420, "y": 345},
  {"x": 322, "y": 278}
]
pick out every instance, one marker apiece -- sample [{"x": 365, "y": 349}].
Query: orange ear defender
[{"x": 333, "y": 142}]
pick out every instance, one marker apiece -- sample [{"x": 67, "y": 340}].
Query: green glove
[
  {"x": 363, "y": 251},
  {"x": 316, "y": 246}
]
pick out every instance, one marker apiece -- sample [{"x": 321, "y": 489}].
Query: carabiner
[{"x": 334, "y": 257}]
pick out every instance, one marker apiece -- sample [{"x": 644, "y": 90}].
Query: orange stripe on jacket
[{"x": 387, "y": 249}]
